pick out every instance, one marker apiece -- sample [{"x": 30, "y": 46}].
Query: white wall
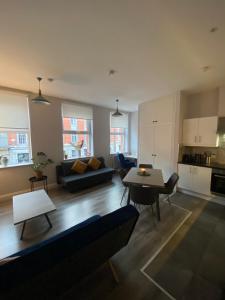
[
  {"x": 46, "y": 136},
  {"x": 133, "y": 120}
]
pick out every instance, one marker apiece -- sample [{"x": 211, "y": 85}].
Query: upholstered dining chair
[
  {"x": 169, "y": 186},
  {"x": 122, "y": 174},
  {"x": 125, "y": 163},
  {"x": 143, "y": 195}
]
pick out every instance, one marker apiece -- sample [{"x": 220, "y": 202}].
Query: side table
[{"x": 34, "y": 179}]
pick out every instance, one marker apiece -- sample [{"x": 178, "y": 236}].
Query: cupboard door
[
  {"x": 164, "y": 109},
  {"x": 146, "y": 145},
  {"x": 207, "y": 132},
  {"x": 163, "y": 149},
  {"x": 190, "y": 132},
  {"x": 201, "y": 180},
  {"x": 147, "y": 113},
  {"x": 185, "y": 176}
]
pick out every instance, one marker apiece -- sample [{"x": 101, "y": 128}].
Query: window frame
[
  {"x": 78, "y": 132},
  {"x": 125, "y": 134}
]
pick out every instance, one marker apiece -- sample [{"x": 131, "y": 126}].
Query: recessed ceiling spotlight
[
  {"x": 213, "y": 29},
  {"x": 206, "y": 68},
  {"x": 50, "y": 79},
  {"x": 112, "y": 72}
]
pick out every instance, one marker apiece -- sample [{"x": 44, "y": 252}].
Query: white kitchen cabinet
[
  {"x": 190, "y": 132},
  {"x": 207, "y": 132},
  {"x": 200, "y": 132},
  {"x": 195, "y": 179}
]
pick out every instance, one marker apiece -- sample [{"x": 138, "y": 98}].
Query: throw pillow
[
  {"x": 94, "y": 163},
  {"x": 79, "y": 167}
]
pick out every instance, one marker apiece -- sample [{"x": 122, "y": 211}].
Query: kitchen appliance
[
  {"x": 194, "y": 158},
  {"x": 218, "y": 181}
]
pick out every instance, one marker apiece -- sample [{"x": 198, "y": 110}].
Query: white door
[
  {"x": 207, "y": 128},
  {"x": 146, "y": 145},
  {"x": 147, "y": 113},
  {"x": 201, "y": 180},
  {"x": 185, "y": 176},
  {"x": 163, "y": 146},
  {"x": 190, "y": 132},
  {"x": 164, "y": 109}
]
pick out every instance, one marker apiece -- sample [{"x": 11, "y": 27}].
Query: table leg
[
  {"x": 50, "y": 224},
  {"x": 24, "y": 224},
  {"x": 157, "y": 208}
]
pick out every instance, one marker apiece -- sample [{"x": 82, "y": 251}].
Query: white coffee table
[{"x": 31, "y": 205}]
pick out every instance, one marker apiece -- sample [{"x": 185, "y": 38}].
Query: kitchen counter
[{"x": 212, "y": 165}]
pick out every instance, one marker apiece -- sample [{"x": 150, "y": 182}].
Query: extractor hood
[{"x": 221, "y": 125}]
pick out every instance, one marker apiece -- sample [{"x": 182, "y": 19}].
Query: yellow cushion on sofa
[
  {"x": 94, "y": 163},
  {"x": 79, "y": 167}
]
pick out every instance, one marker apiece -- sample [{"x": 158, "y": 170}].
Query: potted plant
[{"x": 40, "y": 161}]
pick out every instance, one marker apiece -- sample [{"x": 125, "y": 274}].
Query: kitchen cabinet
[
  {"x": 195, "y": 179},
  {"x": 200, "y": 132}
]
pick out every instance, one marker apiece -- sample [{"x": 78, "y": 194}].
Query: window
[
  {"x": 119, "y": 134},
  {"x": 77, "y": 131},
  {"x": 14, "y": 128}
]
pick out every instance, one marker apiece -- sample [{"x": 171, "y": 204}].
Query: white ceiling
[{"x": 157, "y": 47}]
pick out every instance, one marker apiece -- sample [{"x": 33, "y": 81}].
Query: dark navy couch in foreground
[
  {"x": 48, "y": 269},
  {"x": 73, "y": 181}
]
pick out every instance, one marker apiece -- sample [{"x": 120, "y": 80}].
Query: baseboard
[
  {"x": 212, "y": 198},
  {"x": 7, "y": 197}
]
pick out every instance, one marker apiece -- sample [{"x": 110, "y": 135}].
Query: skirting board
[
  {"x": 7, "y": 197},
  {"x": 212, "y": 198}
]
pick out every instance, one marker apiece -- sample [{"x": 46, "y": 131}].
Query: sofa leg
[{"x": 115, "y": 276}]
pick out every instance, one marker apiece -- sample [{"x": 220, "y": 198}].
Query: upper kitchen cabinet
[{"x": 200, "y": 132}]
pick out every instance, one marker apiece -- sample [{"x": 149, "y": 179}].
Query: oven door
[{"x": 218, "y": 183}]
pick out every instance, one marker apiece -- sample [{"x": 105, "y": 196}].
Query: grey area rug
[{"x": 192, "y": 264}]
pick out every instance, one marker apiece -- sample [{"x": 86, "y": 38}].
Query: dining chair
[
  {"x": 122, "y": 174},
  {"x": 146, "y": 166},
  {"x": 124, "y": 163},
  {"x": 169, "y": 186},
  {"x": 143, "y": 195}
]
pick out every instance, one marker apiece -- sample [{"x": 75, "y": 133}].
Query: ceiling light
[
  {"x": 213, "y": 29},
  {"x": 206, "y": 68},
  {"x": 117, "y": 113},
  {"x": 40, "y": 99},
  {"x": 112, "y": 72}
]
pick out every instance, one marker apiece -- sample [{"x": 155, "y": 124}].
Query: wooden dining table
[{"x": 154, "y": 180}]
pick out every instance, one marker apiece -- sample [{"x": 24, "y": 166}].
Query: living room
[{"x": 112, "y": 150}]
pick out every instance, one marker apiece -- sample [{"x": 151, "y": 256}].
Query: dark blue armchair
[{"x": 125, "y": 163}]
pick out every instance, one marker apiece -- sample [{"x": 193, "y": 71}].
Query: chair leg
[
  {"x": 168, "y": 199},
  {"x": 124, "y": 193},
  {"x": 152, "y": 210},
  {"x": 115, "y": 276}
]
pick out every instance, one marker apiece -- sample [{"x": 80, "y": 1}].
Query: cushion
[
  {"x": 94, "y": 163},
  {"x": 79, "y": 167}
]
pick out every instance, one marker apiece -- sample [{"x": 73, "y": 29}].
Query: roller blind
[
  {"x": 119, "y": 122},
  {"x": 77, "y": 111},
  {"x": 13, "y": 111}
]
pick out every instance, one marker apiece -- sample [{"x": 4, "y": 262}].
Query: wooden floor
[{"x": 74, "y": 208}]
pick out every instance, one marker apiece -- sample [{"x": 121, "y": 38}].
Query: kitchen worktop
[{"x": 211, "y": 165}]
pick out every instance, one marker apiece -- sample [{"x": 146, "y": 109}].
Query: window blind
[
  {"x": 13, "y": 111},
  {"x": 77, "y": 111},
  {"x": 119, "y": 122}
]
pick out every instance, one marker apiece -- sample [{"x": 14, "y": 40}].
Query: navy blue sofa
[
  {"x": 48, "y": 269},
  {"x": 74, "y": 182}
]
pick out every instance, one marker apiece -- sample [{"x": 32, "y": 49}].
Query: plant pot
[{"x": 39, "y": 174}]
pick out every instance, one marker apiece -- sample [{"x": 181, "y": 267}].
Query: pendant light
[
  {"x": 117, "y": 113},
  {"x": 40, "y": 99}
]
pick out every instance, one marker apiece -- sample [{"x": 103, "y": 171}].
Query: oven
[{"x": 218, "y": 181}]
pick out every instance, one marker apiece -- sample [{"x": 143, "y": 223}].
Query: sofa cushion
[
  {"x": 79, "y": 167},
  {"x": 94, "y": 163},
  {"x": 67, "y": 165},
  {"x": 86, "y": 176}
]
